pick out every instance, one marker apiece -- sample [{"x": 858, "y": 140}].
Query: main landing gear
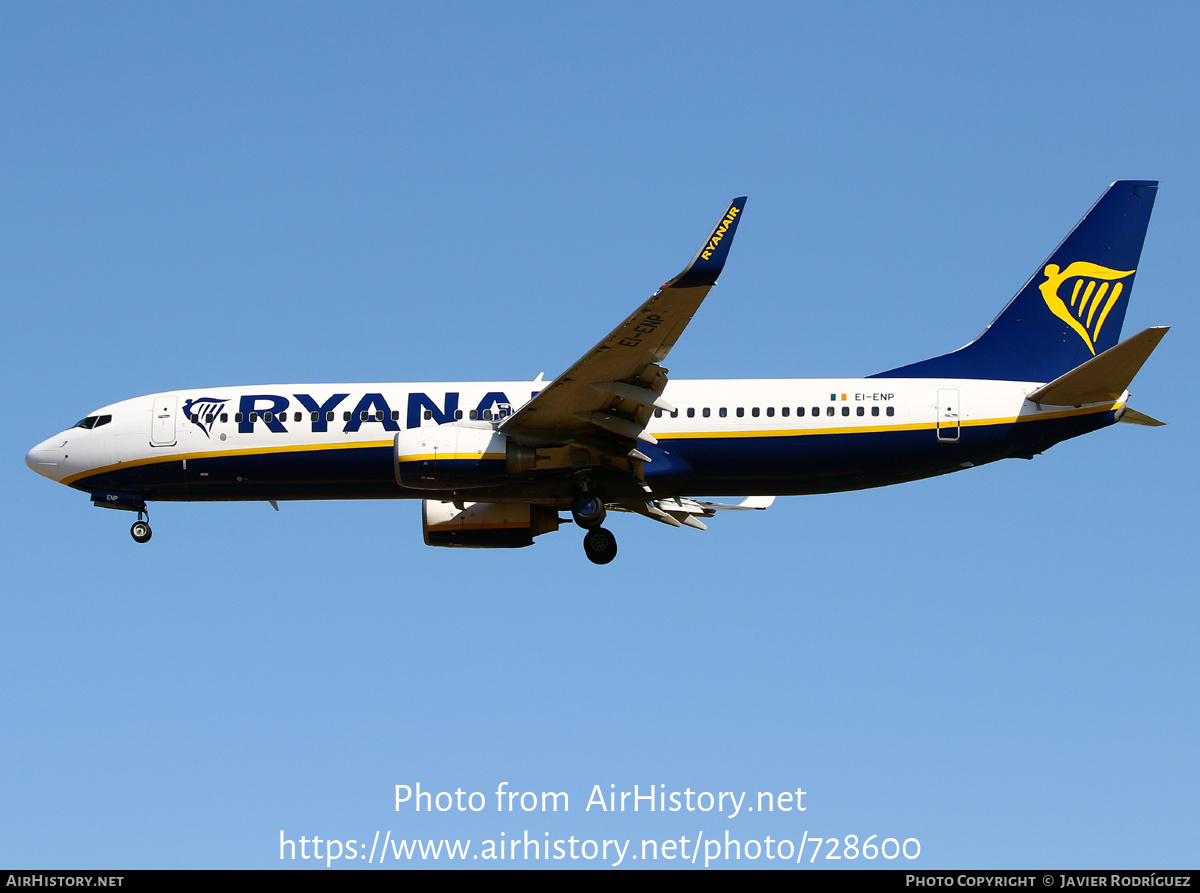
[{"x": 599, "y": 545}]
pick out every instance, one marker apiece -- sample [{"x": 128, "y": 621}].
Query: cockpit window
[{"x": 93, "y": 421}]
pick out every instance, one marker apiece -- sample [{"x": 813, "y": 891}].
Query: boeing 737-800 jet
[{"x": 496, "y": 462}]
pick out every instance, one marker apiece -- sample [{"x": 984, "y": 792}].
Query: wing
[{"x": 605, "y": 399}]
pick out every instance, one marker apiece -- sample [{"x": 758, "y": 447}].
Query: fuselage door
[
  {"x": 947, "y": 415},
  {"x": 162, "y": 421}
]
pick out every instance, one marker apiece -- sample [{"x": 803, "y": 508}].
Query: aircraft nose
[{"x": 47, "y": 457}]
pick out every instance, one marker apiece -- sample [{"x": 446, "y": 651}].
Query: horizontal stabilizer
[
  {"x": 1103, "y": 378},
  {"x": 1133, "y": 417}
]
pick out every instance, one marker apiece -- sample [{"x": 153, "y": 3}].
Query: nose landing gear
[
  {"x": 127, "y": 502},
  {"x": 140, "y": 531}
]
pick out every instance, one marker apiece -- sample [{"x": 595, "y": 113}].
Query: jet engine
[{"x": 485, "y": 525}]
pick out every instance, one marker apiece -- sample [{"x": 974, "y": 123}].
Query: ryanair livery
[{"x": 496, "y": 462}]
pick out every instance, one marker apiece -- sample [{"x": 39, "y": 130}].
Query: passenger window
[
  {"x": 706, "y": 412},
  {"x": 874, "y": 410},
  {"x": 224, "y": 417},
  {"x": 429, "y": 415},
  {"x": 237, "y": 417},
  {"x": 254, "y": 417},
  {"x": 741, "y": 412},
  {"x": 474, "y": 414},
  {"x": 346, "y": 416},
  {"x": 314, "y": 416},
  {"x": 754, "y": 412},
  {"x": 891, "y": 410},
  {"x": 208, "y": 419},
  {"x": 723, "y": 412},
  {"x": 799, "y": 412},
  {"x": 195, "y": 418},
  {"x": 828, "y": 410},
  {"x": 362, "y": 415},
  {"x": 487, "y": 415},
  {"x": 675, "y": 413},
  {"x": 845, "y": 410},
  {"x": 691, "y": 412},
  {"x": 329, "y": 416},
  {"x": 396, "y": 414},
  {"x": 785, "y": 411},
  {"x": 658, "y": 413},
  {"x": 817, "y": 410},
  {"x": 770, "y": 412},
  {"x": 860, "y": 411}
]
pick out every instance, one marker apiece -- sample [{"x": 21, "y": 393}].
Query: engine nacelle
[
  {"x": 485, "y": 525},
  {"x": 450, "y": 457}
]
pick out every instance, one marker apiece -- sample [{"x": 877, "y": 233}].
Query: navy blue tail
[{"x": 1073, "y": 306}]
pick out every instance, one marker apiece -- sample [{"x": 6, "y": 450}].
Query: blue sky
[{"x": 1000, "y": 663}]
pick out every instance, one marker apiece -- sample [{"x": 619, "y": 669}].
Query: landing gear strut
[
  {"x": 140, "y": 531},
  {"x": 600, "y": 545}
]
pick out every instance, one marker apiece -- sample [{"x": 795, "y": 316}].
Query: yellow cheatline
[
  {"x": 876, "y": 429},
  {"x": 448, "y": 457}
]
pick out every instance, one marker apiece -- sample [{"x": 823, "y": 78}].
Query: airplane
[{"x": 495, "y": 463}]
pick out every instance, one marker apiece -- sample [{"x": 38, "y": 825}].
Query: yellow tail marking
[
  {"x": 1095, "y": 275},
  {"x": 1096, "y": 303},
  {"x": 1109, "y": 306}
]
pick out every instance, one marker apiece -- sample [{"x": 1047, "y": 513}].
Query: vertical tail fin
[{"x": 1073, "y": 306}]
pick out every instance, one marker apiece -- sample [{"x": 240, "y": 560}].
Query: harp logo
[
  {"x": 1095, "y": 292},
  {"x": 202, "y": 411}
]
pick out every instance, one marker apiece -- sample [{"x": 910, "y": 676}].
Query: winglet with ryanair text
[{"x": 706, "y": 266}]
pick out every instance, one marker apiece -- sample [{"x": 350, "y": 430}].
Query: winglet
[{"x": 706, "y": 266}]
